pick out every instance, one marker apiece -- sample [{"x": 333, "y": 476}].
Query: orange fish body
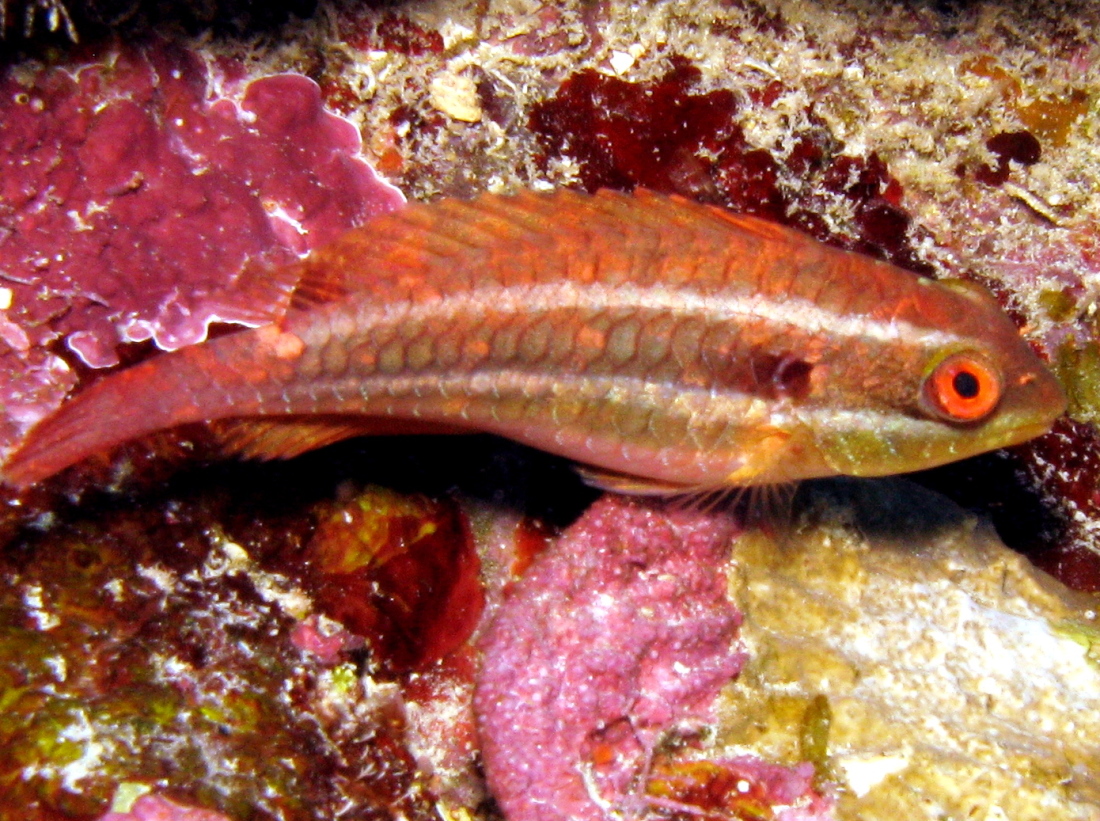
[{"x": 670, "y": 344}]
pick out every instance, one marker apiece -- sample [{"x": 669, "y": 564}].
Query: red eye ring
[{"x": 964, "y": 387}]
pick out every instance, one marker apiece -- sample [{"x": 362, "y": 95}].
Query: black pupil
[{"x": 966, "y": 384}]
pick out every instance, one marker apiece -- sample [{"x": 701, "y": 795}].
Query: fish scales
[{"x": 666, "y": 344}]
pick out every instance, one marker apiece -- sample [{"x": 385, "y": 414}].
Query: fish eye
[{"x": 964, "y": 387}]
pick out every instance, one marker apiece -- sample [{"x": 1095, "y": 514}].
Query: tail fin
[{"x": 220, "y": 378}]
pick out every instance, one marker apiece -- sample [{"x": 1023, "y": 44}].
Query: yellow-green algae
[
  {"x": 133, "y": 653},
  {"x": 1077, "y": 366},
  {"x": 108, "y": 694}
]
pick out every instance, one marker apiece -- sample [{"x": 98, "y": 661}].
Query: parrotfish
[{"x": 665, "y": 346}]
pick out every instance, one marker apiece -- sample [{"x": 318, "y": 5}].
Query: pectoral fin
[{"x": 763, "y": 459}]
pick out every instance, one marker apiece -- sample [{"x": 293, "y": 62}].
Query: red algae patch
[
  {"x": 400, "y": 571},
  {"x": 616, "y": 642},
  {"x": 154, "y": 191},
  {"x": 327, "y": 643},
  {"x": 737, "y": 788},
  {"x": 670, "y": 135}
]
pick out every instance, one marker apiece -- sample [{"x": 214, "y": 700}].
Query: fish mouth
[
  {"x": 1025, "y": 432},
  {"x": 1036, "y": 410}
]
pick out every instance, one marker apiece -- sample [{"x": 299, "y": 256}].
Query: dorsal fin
[
  {"x": 399, "y": 250},
  {"x": 414, "y": 237},
  {"x": 269, "y": 288},
  {"x": 317, "y": 285}
]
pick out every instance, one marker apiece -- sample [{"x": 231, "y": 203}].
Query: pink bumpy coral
[
  {"x": 145, "y": 196},
  {"x": 618, "y": 634},
  {"x": 155, "y": 808}
]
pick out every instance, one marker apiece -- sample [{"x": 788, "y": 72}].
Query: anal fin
[{"x": 283, "y": 437}]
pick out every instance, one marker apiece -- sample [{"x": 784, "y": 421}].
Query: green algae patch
[
  {"x": 85, "y": 711},
  {"x": 813, "y": 739},
  {"x": 1087, "y": 635},
  {"x": 1078, "y": 368},
  {"x": 1059, "y": 304},
  {"x": 127, "y": 794}
]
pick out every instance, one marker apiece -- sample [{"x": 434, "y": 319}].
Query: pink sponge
[{"x": 617, "y": 634}]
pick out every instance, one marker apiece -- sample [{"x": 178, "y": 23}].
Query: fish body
[{"x": 667, "y": 345}]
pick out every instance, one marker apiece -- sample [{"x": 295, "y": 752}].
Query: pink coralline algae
[
  {"x": 326, "y": 643},
  {"x": 147, "y": 195},
  {"x": 618, "y": 636},
  {"x": 155, "y": 808}
]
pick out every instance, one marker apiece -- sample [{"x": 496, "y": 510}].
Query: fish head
[{"x": 972, "y": 385}]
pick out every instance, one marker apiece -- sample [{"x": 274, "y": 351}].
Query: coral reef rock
[{"x": 960, "y": 681}]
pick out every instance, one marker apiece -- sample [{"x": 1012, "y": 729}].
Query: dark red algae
[
  {"x": 1066, "y": 464},
  {"x": 1008, "y": 147},
  {"x": 397, "y": 33},
  {"x": 669, "y": 135},
  {"x": 611, "y": 648}
]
